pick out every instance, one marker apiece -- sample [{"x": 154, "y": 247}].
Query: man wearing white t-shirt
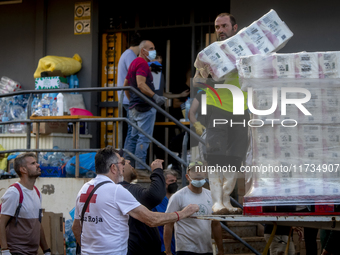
[
  {"x": 105, "y": 227},
  {"x": 23, "y": 233},
  {"x": 193, "y": 236}
]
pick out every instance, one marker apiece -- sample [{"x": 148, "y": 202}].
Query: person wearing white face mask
[
  {"x": 141, "y": 113},
  {"x": 123, "y": 65},
  {"x": 193, "y": 236}
]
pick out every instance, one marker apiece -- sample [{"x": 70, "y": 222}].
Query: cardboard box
[
  {"x": 52, "y": 224},
  {"x": 56, "y": 82},
  {"x": 50, "y": 127}
]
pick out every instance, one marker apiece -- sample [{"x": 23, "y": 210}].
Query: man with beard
[
  {"x": 226, "y": 145},
  {"x": 20, "y": 227},
  {"x": 104, "y": 229}
]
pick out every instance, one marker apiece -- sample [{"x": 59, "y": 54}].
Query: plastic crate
[{"x": 52, "y": 171}]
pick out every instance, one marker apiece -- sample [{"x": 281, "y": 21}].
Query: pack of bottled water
[
  {"x": 44, "y": 105},
  {"x": 54, "y": 159},
  {"x": 13, "y": 108},
  {"x": 7, "y": 85}
]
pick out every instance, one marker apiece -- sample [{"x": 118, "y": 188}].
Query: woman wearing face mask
[
  {"x": 193, "y": 236},
  {"x": 171, "y": 187}
]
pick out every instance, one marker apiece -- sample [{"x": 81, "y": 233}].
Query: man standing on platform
[
  {"x": 141, "y": 113},
  {"x": 226, "y": 145},
  {"x": 123, "y": 65}
]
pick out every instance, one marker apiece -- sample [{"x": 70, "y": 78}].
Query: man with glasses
[
  {"x": 104, "y": 229},
  {"x": 193, "y": 236}
]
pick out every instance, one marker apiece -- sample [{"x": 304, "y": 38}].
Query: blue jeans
[
  {"x": 138, "y": 143},
  {"x": 128, "y": 134}
]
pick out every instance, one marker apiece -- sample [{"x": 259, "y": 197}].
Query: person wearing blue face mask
[{"x": 193, "y": 236}]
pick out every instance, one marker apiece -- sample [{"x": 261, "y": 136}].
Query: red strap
[
  {"x": 36, "y": 189},
  {"x": 21, "y": 196}
]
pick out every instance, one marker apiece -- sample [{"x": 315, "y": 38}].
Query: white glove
[
  {"x": 6, "y": 252},
  {"x": 47, "y": 252},
  {"x": 160, "y": 100}
]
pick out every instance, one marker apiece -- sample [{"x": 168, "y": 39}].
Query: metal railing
[{"x": 120, "y": 120}]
